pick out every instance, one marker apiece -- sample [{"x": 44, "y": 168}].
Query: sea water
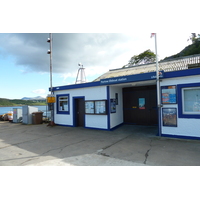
[{"x": 44, "y": 109}]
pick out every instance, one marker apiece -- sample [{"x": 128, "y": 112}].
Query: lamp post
[{"x": 51, "y": 97}]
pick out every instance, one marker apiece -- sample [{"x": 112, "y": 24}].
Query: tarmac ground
[{"x": 40, "y": 145}]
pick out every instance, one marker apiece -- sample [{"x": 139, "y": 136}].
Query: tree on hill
[
  {"x": 187, "y": 51},
  {"x": 143, "y": 58},
  {"x": 194, "y": 37},
  {"x": 191, "y": 49}
]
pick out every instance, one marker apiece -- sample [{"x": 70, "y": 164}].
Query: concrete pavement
[{"x": 39, "y": 145}]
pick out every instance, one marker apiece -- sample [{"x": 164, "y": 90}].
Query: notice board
[{"x": 169, "y": 95}]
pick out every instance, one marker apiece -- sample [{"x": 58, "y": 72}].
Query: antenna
[{"x": 80, "y": 75}]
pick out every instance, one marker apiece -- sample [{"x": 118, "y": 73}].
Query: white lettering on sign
[
  {"x": 122, "y": 79},
  {"x": 160, "y": 75},
  {"x": 104, "y": 81},
  {"x": 114, "y": 80}
]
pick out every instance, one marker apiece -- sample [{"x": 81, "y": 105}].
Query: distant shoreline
[
  {"x": 21, "y": 105},
  {"x": 19, "y": 102}
]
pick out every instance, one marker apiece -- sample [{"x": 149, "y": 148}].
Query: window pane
[
  {"x": 63, "y": 104},
  {"x": 63, "y": 98},
  {"x": 192, "y": 100}
]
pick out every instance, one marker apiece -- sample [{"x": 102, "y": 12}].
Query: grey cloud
[{"x": 30, "y": 50}]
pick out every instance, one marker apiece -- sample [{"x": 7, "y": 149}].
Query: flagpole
[{"x": 158, "y": 88}]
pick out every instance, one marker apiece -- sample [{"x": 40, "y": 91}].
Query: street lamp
[{"x": 51, "y": 98}]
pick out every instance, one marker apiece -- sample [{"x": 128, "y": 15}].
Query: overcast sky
[
  {"x": 92, "y": 50},
  {"x": 24, "y": 58}
]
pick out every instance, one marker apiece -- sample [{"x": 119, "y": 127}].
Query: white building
[{"x": 129, "y": 96}]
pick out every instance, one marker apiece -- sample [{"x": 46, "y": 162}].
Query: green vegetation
[
  {"x": 192, "y": 49},
  {"x": 19, "y": 102},
  {"x": 143, "y": 58}
]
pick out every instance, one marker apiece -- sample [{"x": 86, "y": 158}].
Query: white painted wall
[
  {"x": 116, "y": 118},
  {"x": 96, "y": 121},
  {"x": 90, "y": 93},
  {"x": 186, "y": 127}
]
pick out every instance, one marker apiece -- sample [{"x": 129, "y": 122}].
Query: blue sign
[{"x": 131, "y": 78}]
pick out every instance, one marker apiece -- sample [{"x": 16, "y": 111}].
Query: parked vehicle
[{"x": 10, "y": 116}]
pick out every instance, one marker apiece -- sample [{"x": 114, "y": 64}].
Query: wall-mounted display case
[
  {"x": 113, "y": 105},
  {"x": 169, "y": 95},
  {"x": 169, "y": 117},
  {"x": 97, "y": 107},
  {"x": 89, "y": 107}
]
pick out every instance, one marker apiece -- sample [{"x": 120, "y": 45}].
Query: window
[
  {"x": 191, "y": 100},
  {"x": 63, "y": 104}
]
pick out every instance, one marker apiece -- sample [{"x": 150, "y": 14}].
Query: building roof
[{"x": 177, "y": 64}]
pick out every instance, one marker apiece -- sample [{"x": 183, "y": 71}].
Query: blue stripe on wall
[
  {"x": 75, "y": 86},
  {"x": 181, "y": 137},
  {"x": 181, "y": 73}
]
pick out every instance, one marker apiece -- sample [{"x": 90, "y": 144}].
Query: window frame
[
  {"x": 183, "y": 101},
  {"x": 58, "y": 104},
  {"x": 181, "y": 113}
]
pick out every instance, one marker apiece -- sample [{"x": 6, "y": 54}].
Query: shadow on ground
[{"x": 127, "y": 145}]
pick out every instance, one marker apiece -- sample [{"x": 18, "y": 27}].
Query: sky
[
  {"x": 25, "y": 64},
  {"x": 101, "y": 35}
]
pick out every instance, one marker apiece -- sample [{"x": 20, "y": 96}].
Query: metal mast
[
  {"x": 82, "y": 75},
  {"x": 51, "y": 98}
]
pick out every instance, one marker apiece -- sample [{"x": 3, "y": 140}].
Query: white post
[{"x": 158, "y": 88}]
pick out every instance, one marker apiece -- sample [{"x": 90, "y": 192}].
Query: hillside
[
  {"x": 19, "y": 102},
  {"x": 34, "y": 98},
  {"x": 187, "y": 51}
]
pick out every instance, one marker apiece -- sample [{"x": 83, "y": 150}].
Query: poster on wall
[
  {"x": 116, "y": 98},
  {"x": 89, "y": 107},
  {"x": 100, "y": 107},
  {"x": 141, "y": 103},
  {"x": 169, "y": 117},
  {"x": 168, "y": 94},
  {"x": 112, "y": 105}
]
